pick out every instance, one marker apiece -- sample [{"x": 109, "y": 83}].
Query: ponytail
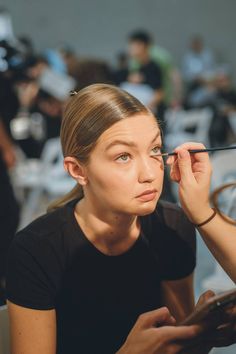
[{"x": 75, "y": 193}]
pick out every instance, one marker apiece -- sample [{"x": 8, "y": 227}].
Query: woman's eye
[
  {"x": 156, "y": 150},
  {"x": 123, "y": 158}
]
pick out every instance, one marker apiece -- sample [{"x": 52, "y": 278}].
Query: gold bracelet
[{"x": 207, "y": 220}]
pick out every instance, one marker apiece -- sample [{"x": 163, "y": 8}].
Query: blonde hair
[{"x": 87, "y": 115}]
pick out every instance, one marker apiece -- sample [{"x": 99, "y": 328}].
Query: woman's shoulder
[
  {"x": 37, "y": 260},
  {"x": 50, "y": 227}
]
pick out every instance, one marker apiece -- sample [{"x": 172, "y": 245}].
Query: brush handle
[{"x": 203, "y": 150}]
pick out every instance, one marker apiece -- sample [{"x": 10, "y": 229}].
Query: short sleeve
[
  {"x": 33, "y": 272},
  {"x": 175, "y": 242}
]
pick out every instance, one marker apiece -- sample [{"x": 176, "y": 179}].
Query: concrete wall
[{"x": 99, "y": 27}]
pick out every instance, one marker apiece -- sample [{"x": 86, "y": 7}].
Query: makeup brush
[{"x": 194, "y": 151}]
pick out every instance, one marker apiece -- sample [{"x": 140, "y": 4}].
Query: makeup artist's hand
[
  {"x": 155, "y": 333},
  {"x": 192, "y": 172},
  {"x": 27, "y": 94}
]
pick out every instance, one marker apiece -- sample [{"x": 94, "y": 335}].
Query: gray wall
[{"x": 99, "y": 28}]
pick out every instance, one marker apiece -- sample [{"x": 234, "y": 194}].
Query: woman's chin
[{"x": 146, "y": 208}]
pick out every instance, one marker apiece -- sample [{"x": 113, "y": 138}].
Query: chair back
[
  {"x": 224, "y": 167},
  {"x": 183, "y": 126},
  {"x": 224, "y": 171}
]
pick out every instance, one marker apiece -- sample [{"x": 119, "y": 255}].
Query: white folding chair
[
  {"x": 232, "y": 121},
  {"x": 180, "y": 123},
  {"x": 37, "y": 176},
  {"x": 178, "y": 126},
  {"x": 4, "y": 331}
]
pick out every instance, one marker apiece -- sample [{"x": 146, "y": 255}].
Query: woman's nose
[{"x": 148, "y": 170}]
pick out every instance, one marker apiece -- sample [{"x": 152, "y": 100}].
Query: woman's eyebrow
[
  {"x": 120, "y": 142},
  {"x": 129, "y": 143},
  {"x": 156, "y": 136}
]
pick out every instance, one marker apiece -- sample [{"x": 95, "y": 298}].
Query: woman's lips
[{"x": 147, "y": 195}]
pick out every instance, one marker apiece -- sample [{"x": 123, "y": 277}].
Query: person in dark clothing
[
  {"x": 144, "y": 71},
  {"x": 9, "y": 208},
  {"x": 120, "y": 72},
  {"x": 9, "y": 103},
  {"x": 92, "y": 275}
]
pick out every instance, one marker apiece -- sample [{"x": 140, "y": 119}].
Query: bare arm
[
  {"x": 220, "y": 238},
  {"x": 6, "y": 147},
  {"x": 178, "y": 297},
  {"x": 32, "y": 331},
  {"x": 193, "y": 175},
  {"x": 4, "y": 138}
]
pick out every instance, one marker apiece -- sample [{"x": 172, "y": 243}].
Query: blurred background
[
  {"x": 100, "y": 28},
  {"x": 177, "y": 56}
]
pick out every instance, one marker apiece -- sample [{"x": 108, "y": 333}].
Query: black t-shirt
[
  {"x": 227, "y": 96},
  {"x": 9, "y": 103},
  {"x": 152, "y": 75},
  {"x": 97, "y": 298}
]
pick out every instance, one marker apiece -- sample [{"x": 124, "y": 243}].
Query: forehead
[
  {"x": 136, "y": 129},
  {"x": 136, "y": 43}
]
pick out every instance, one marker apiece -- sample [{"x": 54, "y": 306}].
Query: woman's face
[{"x": 124, "y": 174}]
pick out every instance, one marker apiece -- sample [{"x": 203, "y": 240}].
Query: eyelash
[
  {"x": 159, "y": 149},
  {"x": 120, "y": 157},
  {"x": 127, "y": 154}
]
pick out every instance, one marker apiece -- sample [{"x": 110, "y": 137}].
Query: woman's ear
[{"x": 75, "y": 169}]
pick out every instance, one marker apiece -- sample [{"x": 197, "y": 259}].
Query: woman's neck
[{"x": 111, "y": 233}]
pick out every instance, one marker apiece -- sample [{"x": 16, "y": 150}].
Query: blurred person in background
[
  {"x": 198, "y": 61},
  {"x": 216, "y": 92},
  {"x": 70, "y": 59},
  {"x": 26, "y": 45},
  {"x": 6, "y": 27},
  {"x": 41, "y": 93},
  {"x": 223, "y": 129},
  {"x": 145, "y": 72},
  {"x": 55, "y": 60},
  {"x": 92, "y": 71},
  {"x": 121, "y": 68},
  {"x": 171, "y": 79},
  {"x": 9, "y": 208},
  {"x": 51, "y": 108},
  {"x": 225, "y": 91},
  {"x": 35, "y": 65}
]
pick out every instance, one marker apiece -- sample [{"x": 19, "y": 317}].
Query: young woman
[
  {"x": 193, "y": 174},
  {"x": 89, "y": 276}
]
